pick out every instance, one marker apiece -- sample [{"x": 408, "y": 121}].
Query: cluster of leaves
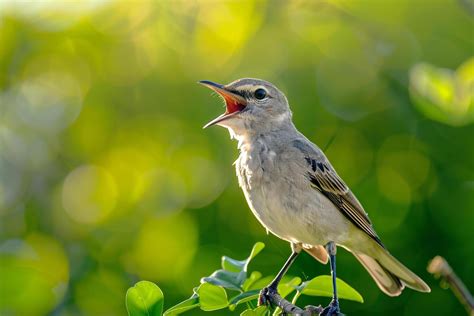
[{"x": 232, "y": 286}]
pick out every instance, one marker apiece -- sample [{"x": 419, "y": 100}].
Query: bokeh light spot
[
  {"x": 24, "y": 148},
  {"x": 402, "y": 168},
  {"x": 128, "y": 165},
  {"x": 100, "y": 292},
  {"x": 442, "y": 94},
  {"x": 350, "y": 143},
  {"x": 164, "y": 248},
  {"x": 34, "y": 274},
  {"x": 89, "y": 194},
  {"x": 164, "y": 192},
  {"x": 11, "y": 181},
  {"x": 393, "y": 185},
  {"x": 50, "y": 101},
  {"x": 224, "y": 29}
]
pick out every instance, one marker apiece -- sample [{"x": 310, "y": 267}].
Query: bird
[{"x": 295, "y": 192}]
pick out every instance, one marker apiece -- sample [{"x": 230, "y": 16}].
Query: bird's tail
[{"x": 390, "y": 274}]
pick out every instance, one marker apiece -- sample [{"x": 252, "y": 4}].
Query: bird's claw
[
  {"x": 265, "y": 296},
  {"x": 313, "y": 310},
  {"x": 332, "y": 309},
  {"x": 269, "y": 297}
]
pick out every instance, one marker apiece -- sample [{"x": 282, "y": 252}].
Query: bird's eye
[{"x": 260, "y": 94}]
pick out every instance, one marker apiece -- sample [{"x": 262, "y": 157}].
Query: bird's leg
[
  {"x": 268, "y": 294},
  {"x": 333, "y": 307}
]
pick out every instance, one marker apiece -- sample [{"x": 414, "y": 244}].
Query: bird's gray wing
[{"x": 324, "y": 178}]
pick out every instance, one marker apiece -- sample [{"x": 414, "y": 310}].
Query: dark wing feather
[{"x": 325, "y": 179}]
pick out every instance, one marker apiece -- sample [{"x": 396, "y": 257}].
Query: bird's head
[{"x": 252, "y": 106}]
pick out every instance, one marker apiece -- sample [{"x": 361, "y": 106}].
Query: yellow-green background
[{"x": 106, "y": 176}]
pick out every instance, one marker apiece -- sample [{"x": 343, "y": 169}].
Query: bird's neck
[{"x": 248, "y": 137}]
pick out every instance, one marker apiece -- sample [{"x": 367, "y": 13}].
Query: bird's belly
[
  {"x": 271, "y": 216},
  {"x": 298, "y": 215}
]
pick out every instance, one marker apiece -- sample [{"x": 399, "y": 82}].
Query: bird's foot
[
  {"x": 270, "y": 297},
  {"x": 267, "y": 295},
  {"x": 313, "y": 310},
  {"x": 332, "y": 309}
]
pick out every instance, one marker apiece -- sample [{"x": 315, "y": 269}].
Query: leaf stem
[{"x": 295, "y": 298}]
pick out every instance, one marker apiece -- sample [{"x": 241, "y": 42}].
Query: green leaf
[
  {"x": 184, "y": 306},
  {"x": 243, "y": 298},
  {"x": 322, "y": 286},
  {"x": 255, "y": 251},
  {"x": 259, "y": 311},
  {"x": 286, "y": 280},
  {"x": 145, "y": 298},
  {"x": 229, "y": 280},
  {"x": 285, "y": 288},
  {"x": 234, "y": 265},
  {"x": 261, "y": 283},
  {"x": 212, "y": 297},
  {"x": 254, "y": 276}
]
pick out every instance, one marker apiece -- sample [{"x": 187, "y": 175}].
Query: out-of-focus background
[{"x": 106, "y": 176}]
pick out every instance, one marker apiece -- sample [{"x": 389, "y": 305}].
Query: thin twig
[
  {"x": 291, "y": 309},
  {"x": 440, "y": 268}
]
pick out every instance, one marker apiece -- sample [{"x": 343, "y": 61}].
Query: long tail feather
[
  {"x": 390, "y": 274},
  {"x": 386, "y": 281},
  {"x": 403, "y": 273}
]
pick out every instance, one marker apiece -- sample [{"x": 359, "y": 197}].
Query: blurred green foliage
[
  {"x": 107, "y": 178},
  {"x": 444, "y": 95}
]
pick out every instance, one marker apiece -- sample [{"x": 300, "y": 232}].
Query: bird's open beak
[{"x": 234, "y": 102}]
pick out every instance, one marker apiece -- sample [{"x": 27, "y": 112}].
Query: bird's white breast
[{"x": 282, "y": 199}]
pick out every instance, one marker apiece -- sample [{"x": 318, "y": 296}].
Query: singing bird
[{"x": 295, "y": 193}]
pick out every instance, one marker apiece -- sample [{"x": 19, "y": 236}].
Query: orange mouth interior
[{"x": 232, "y": 106}]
